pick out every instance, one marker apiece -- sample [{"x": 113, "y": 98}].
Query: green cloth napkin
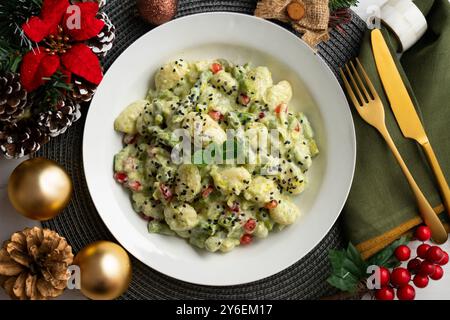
[{"x": 381, "y": 205}]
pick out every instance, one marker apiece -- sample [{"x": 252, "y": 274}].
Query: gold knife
[{"x": 404, "y": 110}]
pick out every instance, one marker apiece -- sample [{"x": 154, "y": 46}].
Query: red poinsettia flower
[{"x": 60, "y": 31}]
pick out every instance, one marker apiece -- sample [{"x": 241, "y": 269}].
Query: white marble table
[{"x": 11, "y": 221}]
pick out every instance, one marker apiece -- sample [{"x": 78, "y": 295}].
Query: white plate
[{"x": 241, "y": 39}]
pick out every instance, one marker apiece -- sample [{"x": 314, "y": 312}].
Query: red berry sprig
[{"x": 427, "y": 265}]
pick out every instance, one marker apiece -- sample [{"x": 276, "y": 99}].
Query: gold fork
[{"x": 370, "y": 108}]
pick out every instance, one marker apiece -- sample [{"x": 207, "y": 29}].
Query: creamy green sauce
[{"x": 215, "y": 206}]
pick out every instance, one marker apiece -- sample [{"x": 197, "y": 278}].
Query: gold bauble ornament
[
  {"x": 105, "y": 270},
  {"x": 39, "y": 189}
]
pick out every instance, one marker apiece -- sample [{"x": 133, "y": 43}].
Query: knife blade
[
  {"x": 395, "y": 89},
  {"x": 403, "y": 108}
]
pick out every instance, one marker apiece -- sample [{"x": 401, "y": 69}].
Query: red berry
[
  {"x": 435, "y": 254},
  {"x": 438, "y": 273},
  {"x": 121, "y": 177},
  {"x": 400, "y": 276},
  {"x": 420, "y": 281},
  {"x": 427, "y": 268},
  {"x": 422, "y": 250},
  {"x": 402, "y": 253},
  {"x": 384, "y": 293},
  {"x": 216, "y": 67},
  {"x": 414, "y": 265},
  {"x": 444, "y": 259},
  {"x": 406, "y": 293},
  {"x": 250, "y": 225},
  {"x": 423, "y": 233},
  {"x": 246, "y": 239},
  {"x": 384, "y": 276}
]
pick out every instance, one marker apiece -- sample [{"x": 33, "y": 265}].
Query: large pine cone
[
  {"x": 34, "y": 264},
  {"x": 103, "y": 42},
  {"x": 13, "y": 97},
  {"x": 21, "y": 138},
  {"x": 57, "y": 120}
]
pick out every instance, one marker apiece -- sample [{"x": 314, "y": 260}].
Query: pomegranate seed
[
  {"x": 121, "y": 177},
  {"x": 216, "y": 115},
  {"x": 129, "y": 138},
  {"x": 244, "y": 99},
  {"x": 271, "y": 205},
  {"x": 246, "y": 239},
  {"x": 207, "y": 191},
  {"x": 250, "y": 225},
  {"x": 166, "y": 192},
  {"x": 135, "y": 185},
  {"x": 216, "y": 67},
  {"x": 262, "y": 115}
]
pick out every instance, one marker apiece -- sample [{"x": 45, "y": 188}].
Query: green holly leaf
[
  {"x": 385, "y": 257},
  {"x": 348, "y": 268}
]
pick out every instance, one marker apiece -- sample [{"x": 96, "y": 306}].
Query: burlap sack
[{"x": 313, "y": 26}]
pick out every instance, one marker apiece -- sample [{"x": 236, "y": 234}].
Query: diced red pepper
[
  {"x": 297, "y": 128},
  {"x": 166, "y": 192},
  {"x": 262, "y": 115},
  {"x": 250, "y": 225},
  {"x": 129, "y": 138},
  {"x": 121, "y": 177},
  {"x": 216, "y": 67},
  {"x": 135, "y": 185},
  {"x": 244, "y": 99},
  {"x": 207, "y": 191},
  {"x": 216, "y": 115},
  {"x": 146, "y": 218},
  {"x": 246, "y": 239},
  {"x": 271, "y": 205},
  {"x": 235, "y": 207}
]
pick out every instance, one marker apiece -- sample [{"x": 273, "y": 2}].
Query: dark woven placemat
[{"x": 81, "y": 224}]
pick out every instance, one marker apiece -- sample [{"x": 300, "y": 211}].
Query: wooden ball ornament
[
  {"x": 39, "y": 189},
  {"x": 105, "y": 270},
  {"x": 157, "y": 12}
]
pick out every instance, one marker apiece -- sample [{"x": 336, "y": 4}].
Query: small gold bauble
[
  {"x": 105, "y": 270},
  {"x": 39, "y": 189}
]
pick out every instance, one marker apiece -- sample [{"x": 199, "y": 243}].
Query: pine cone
[
  {"x": 20, "y": 138},
  {"x": 101, "y": 44},
  {"x": 57, "y": 120},
  {"x": 34, "y": 264},
  {"x": 83, "y": 91},
  {"x": 13, "y": 97}
]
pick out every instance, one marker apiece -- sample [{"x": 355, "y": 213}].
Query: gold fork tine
[
  {"x": 361, "y": 83},
  {"x": 355, "y": 86},
  {"x": 366, "y": 77},
  {"x": 349, "y": 89}
]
